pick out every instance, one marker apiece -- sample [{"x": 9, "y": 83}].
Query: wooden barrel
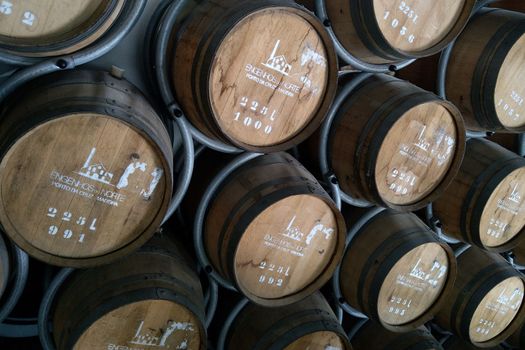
[
  {"x": 518, "y": 253},
  {"x": 57, "y": 27},
  {"x": 485, "y": 305},
  {"x": 382, "y": 31},
  {"x": 455, "y": 343},
  {"x": 394, "y": 144},
  {"x": 484, "y": 204},
  {"x": 308, "y": 324},
  {"x": 86, "y": 168},
  {"x": 514, "y": 5},
  {"x": 509, "y": 141},
  {"x": 372, "y": 336},
  {"x": 259, "y": 75},
  {"x": 396, "y": 271},
  {"x": 517, "y": 339},
  {"x": 486, "y": 70},
  {"x": 273, "y": 231},
  {"x": 151, "y": 298}
]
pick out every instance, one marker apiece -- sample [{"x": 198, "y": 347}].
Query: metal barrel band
[
  {"x": 201, "y": 212},
  {"x": 328, "y": 175},
  {"x": 117, "y": 32},
  {"x": 44, "y": 332},
  {"x": 22, "y": 270},
  {"x": 167, "y": 22},
  {"x": 336, "y": 285},
  {"x": 211, "y": 304},
  {"x": 432, "y": 221},
  {"x": 462, "y": 249},
  {"x": 320, "y": 10},
  {"x": 185, "y": 174},
  {"x": 228, "y": 323}
]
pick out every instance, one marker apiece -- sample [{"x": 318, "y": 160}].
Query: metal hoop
[
  {"x": 22, "y": 269},
  {"x": 211, "y": 305},
  {"x": 320, "y": 10},
  {"x": 432, "y": 222},
  {"x": 121, "y": 28},
  {"x": 336, "y": 285},
  {"x": 329, "y": 177},
  {"x": 167, "y": 22},
  {"x": 461, "y": 250},
  {"x": 445, "y": 55},
  {"x": 9, "y": 330},
  {"x": 45, "y": 308},
  {"x": 202, "y": 256},
  {"x": 186, "y": 173},
  {"x": 228, "y": 323},
  {"x": 515, "y": 264}
]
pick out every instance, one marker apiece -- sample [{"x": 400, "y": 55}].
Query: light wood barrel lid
[
  {"x": 322, "y": 340},
  {"x": 413, "y": 26},
  {"x": 504, "y": 214},
  {"x": 413, "y": 285},
  {"x": 509, "y": 94},
  {"x": 51, "y": 22},
  {"x": 286, "y": 247},
  {"x": 147, "y": 324},
  {"x": 81, "y": 185},
  {"x": 268, "y": 77},
  {"x": 497, "y": 310},
  {"x": 416, "y": 154}
]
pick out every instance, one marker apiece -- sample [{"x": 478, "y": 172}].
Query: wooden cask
[
  {"x": 514, "y": 5},
  {"x": 518, "y": 253},
  {"x": 394, "y": 144},
  {"x": 151, "y": 298},
  {"x": 517, "y": 339},
  {"x": 372, "y": 336},
  {"x": 273, "y": 232},
  {"x": 308, "y": 324},
  {"x": 54, "y": 27},
  {"x": 259, "y": 75},
  {"x": 485, "y": 305},
  {"x": 484, "y": 205},
  {"x": 486, "y": 70},
  {"x": 455, "y": 343},
  {"x": 86, "y": 168},
  {"x": 396, "y": 271},
  {"x": 385, "y": 31}
]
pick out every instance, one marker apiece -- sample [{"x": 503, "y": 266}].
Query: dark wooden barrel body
[
  {"x": 517, "y": 339},
  {"x": 51, "y": 28},
  {"x": 483, "y": 205},
  {"x": 259, "y": 75},
  {"x": 485, "y": 72},
  {"x": 455, "y": 343},
  {"x": 308, "y": 324},
  {"x": 390, "y": 32},
  {"x": 273, "y": 231},
  {"x": 86, "y": 168},
  {"x": 394, "y": 144},
  {"x": 397, "y": 272},
  {"x": 373, "y": 336},
  {"x": 486, "y": 283},
  {"x": 152, "y": 297}
]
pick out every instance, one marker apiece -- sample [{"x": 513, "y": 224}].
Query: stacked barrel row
[{"x": 88, "y": 170}]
